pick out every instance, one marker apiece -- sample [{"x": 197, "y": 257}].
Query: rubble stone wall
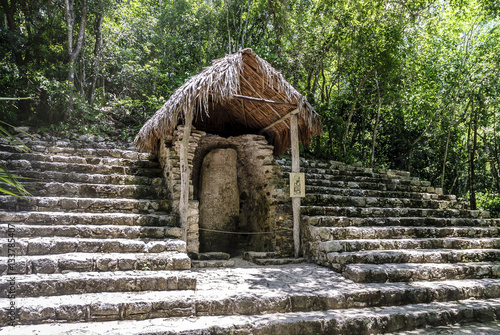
[
  {"x": 260, "y": 185},
  {"x": 263, "y": 193},
  {"x": 168, "y": 157}
]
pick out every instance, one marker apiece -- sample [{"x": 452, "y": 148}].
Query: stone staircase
[
  {"x": 98, "y": 221},
  {"x": 98, "y": 252},
  {"x": 375, "y": 225}
]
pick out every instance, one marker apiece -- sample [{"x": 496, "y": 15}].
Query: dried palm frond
[{"x": 210, "y": 95}]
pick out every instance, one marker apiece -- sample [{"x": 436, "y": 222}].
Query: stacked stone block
[
  {"x": 376, "y": 225},
  {"x": 86, "y": 267},
  {"x": 169, "y": 158},
  {"x": 99, "y": 219}
]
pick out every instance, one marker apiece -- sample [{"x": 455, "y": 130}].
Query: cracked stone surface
[
  {"x": 487, "y": 328},
  {"x": 92, "y": 279},
  {"x": 249, "y": 289}
]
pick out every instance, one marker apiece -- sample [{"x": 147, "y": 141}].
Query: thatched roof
[{"x": 215, "y": 97}]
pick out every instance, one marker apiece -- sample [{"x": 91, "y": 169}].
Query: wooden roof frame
[{"x": 240, "y": 93}]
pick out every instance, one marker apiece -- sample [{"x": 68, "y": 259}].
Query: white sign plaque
[{"x": 297, "y": 185}]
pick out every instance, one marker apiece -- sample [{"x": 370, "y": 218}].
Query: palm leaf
[
  {"x": 4, "y": 133},
  {"x": 9, "y": 183}
]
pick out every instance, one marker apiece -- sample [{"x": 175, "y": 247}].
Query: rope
[{"x": 240, "y": 233}]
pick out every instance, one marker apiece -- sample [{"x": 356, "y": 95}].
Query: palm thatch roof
[{"x": 232, "y": 97}]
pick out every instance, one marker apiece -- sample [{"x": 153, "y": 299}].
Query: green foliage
[
  {"x": 489, "y": 202},
  {"x": 427, "y": 70},
  {"x": 11, "y": 184},
  {"x": 52, "y": 98}
]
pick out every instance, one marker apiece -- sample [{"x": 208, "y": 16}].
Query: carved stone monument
[{"x": 219, "y": 200}]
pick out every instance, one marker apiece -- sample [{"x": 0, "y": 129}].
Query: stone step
[
  {"x": 406, "y": 243},
  {"x": 373, "y": 185},
  {"x": 82, "y": 141},
  {"x": 95, "y": 262},
  {"x": 39, "y": 157},
  {"x": 18, "y": 219},
  {"x": 278, "y": 261},
  {"x": 382, "y": 202},
  {"x": 68, "y": 150},
  {"x": 207, "y": 256},
  {"x": 353, "y": 178},
  {"x": 381, "y": 273},
  {"x": 338, "y": 260},
  {"x": 90, "y": 231},
  {"x": 336, "y": 165},
  {"x": 62, "y": 245},
  {"x": 363, "y": 321},
  {"x": 343, "y": 221},
  {"x": 380, "y": 212},
  {"x": 459, "y": 328},
  {"x": 58, "y": 142},
  {"x": 251, "y": 255},
  {"x": 55, "y": 189},
  {"x": 339, "y": 167},
  {"x": 40, "y": 285},
  {"x": 18, "y": 167},
  {"x": 344, "y": 233},
  {"x": 63, "y": 177},
  {"x": 89, "y": 205},
  {"x": 109, "y": 306},
  {"x": 214, "y": 263},
  {"x": 356, "y": 175},
  {"x": 267, "y": 258},
  {"x": 356, "y": 192}
]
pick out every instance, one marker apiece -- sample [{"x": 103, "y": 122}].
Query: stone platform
[
  {"x": 284, "y": 299},
  {"x": 98, "y": 252}
]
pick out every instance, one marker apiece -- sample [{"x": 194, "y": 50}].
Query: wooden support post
[
  {"x": 185, "y": 173},
  {"x": 294, "y": 133},
  {"x": 295, "y": 111}
]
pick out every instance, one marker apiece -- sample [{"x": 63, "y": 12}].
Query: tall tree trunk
[
  {"x": 457, "y": 171},
  {"x": 445, "y": 159},
  {"x": 377, "y": 120},
  {"x": 314, "y": 88},
  {"x": 244, "y": 24},
  {"x": 443, "y": 171},
  {"x": 353, "y": 107},
  {"x": 496, "y": 157},
  {"x": 323, "y": 83},
  {"x": 74, "y": 51},
  {"x": 97, "y": 52},
  {"x": 493, "y": 159},
  {"x": 410, "y": 153},
  {"x": 472, "y": 154},
  {"x": 21, "y": 55},
  {"x": 276, "y": 24},
  {"x": 229, "y": 48}
]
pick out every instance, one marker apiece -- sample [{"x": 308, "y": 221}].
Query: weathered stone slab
[
  {"x": 371, "y": 273},
  {"x": 212, "y": 264},
  {"x": 219, "y": 201},
  {"x": 40, "y": 285}
]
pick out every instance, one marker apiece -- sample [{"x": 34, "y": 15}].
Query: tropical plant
[{"x": 9, "y": 183}]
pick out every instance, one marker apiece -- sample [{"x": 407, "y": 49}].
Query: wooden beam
[
  {"x": 244, "y": 113},
  {"x": 257, "y": 93},
  {"x": 244, "y": 97},
  {"x": 185, "y": 176},
  {"x": 294, "y": 134},
  {"x": 294, "y": 112}
]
